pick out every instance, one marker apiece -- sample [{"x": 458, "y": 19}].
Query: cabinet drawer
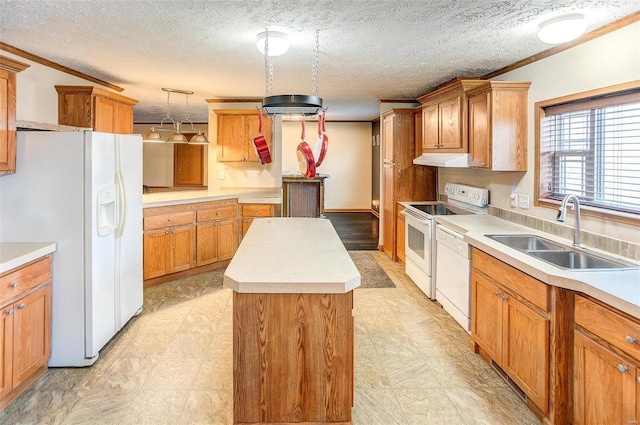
[
  {"x": 257, "y": 210},
  {"x": 518, "y": 282},
  {"x": 209, "y": 214},
  {"x": 612, "y": 327},
  {"x": 168, "y": 220},
  {"x": 25, "y": 278}
]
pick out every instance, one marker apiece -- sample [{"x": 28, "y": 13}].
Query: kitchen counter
[
  {"x": 292, "y": 255},
  {"x": 618, "y": 288},
  {"x": 14, "y": 255},
  {"x": 244, "y": 195}
]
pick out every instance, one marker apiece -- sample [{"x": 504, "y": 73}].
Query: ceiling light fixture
[
  {"x": 177, "y": 136},
  {"x": 562, "y": 28},
  {"x": 278, "y": 43},
  {"x": 291, "y": 104}
]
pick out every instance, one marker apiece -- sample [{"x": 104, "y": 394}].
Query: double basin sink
[{"x": 559, "y": 255}]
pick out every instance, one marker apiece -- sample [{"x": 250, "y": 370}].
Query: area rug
[{"x": 373, "y": 276}]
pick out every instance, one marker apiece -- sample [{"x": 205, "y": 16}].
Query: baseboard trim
[{"x": 347, "y": 210}]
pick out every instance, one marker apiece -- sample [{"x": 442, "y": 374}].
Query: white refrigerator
[{"x": 82, "y": 190}]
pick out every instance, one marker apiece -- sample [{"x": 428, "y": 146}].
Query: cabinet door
[
  {"x": 227, "y": 238},
  {"x": 486, "y": 316},
  {"x": 206, "y": 243},
  {"x": 181, "y": 251},
  {"x": 480, "y": 130},
  {"x": 388, "y": 216},
  {"x": 104, "y": 115},
  {"x": 525, "y": 354},
  {"x": 6, "y": 350},
  {"x": 246, "y": 223},
  {"x": 156, "y": 253},
  {"x": 7, "y": 122},
  {"x": 430, "y": 128},
  {"x": 123, "y": 118},
  {"x": 400, "y": 236},
  {"x": 450, "y": 126},
  {"x": 252, "y": 127},
  {"x": 32, "y": 333},
  {"x": 604, "y": 385},
  {"x": 231, "y": 145}
]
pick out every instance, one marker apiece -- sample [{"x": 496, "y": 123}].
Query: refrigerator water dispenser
[{"x": 106, "y": 209}]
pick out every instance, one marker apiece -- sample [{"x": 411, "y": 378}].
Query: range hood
[{"x": 458, "y": 160}]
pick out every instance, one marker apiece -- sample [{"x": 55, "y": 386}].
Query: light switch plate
[
  {"x": 221, "y": 175},
  {"x": 513, "y": 200},
  {"x": 523, "y": 201}
]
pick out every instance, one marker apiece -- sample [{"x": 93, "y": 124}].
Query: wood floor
[{"x": 357, "y": 230}]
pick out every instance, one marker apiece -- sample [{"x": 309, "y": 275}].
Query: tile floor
[{"x": 172, "y": 365}]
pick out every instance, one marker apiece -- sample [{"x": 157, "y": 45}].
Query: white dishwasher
[{"x": 453, "y": 283}]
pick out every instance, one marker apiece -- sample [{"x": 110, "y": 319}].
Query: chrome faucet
[{"x": 562, "y": 216}]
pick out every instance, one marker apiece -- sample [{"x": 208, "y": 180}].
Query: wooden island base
[{"x": 292, "y": 358}]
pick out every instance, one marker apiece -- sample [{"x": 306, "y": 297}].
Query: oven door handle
[{"x": 410, "y": 214}]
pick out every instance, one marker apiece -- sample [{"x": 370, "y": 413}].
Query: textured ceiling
[{"x": 369, "y": 50}]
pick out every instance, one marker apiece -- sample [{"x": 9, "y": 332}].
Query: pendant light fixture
[
  {"x": 177, "y": 136},
  {"x": 290, "y": 104}
]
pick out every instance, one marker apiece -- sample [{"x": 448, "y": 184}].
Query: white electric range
[{"x": 420, "y": 231}]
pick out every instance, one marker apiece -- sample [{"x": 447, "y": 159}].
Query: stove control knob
[{"x": 476, "y": 196}]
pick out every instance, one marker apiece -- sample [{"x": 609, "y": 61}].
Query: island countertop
[{"x": 292, "y": 255}]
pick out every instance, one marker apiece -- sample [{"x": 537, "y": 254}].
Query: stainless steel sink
[
  {"x": 527, "y": 242},
  {"x": 559, "y": 255},
  {"x": 578, "y": 260}
]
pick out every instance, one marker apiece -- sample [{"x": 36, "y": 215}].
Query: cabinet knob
[
  {"x": 166, "y": 233},
  {"x": 630, "y": 339},
  {"x": 15, "y": 285},
  {"x": 21, "y": 306},
  {"x": 10, "y": 312},
  {"x": 244, "y": 220},
  {"x": 505, "y": 298},
  {"x": 169, "y": 220},
  {"x": 484, "y": 164},
  {"x": 622, "y": 368},
  {"x": 217, "y": 212},
  {"x": 173, "y": 232},
  {"x": 497, "y": 293}
]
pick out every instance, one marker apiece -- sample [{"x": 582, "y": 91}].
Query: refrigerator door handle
[{"x": 122, "y": 203}]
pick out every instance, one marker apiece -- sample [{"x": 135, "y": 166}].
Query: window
[{"x": 589, "y": 146}]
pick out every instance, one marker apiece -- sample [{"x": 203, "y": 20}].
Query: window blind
[{"x": 592, "y": 149}]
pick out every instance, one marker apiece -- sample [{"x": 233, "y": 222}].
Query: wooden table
[{"x": 293, "y": 327}]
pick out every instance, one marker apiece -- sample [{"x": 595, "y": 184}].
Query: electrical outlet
[
  {"x": 221, "y": 175},
  {"x": 513, "y": 200},
  {"x": 523, "y": 201}
]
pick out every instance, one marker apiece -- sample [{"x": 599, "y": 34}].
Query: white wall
[
  {"x": 608, "y": 60},
  {"x": 348, "y": 161},
  {"x": 37, "y": 98}
]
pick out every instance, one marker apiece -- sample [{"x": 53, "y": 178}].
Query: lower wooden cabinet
[
  {"x": 251, "y": 211},
  {"x": 510, "y": 327},
  {"x": 25, "y": 327},
  {"x": 400, "y": 235},
  {"x": 168, "y": 251},
  {"x": 606, "y": 365},
  {"x": 183, "y": 238}
]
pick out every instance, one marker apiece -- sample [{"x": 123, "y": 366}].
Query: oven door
[{"x": 418, "y": 252}]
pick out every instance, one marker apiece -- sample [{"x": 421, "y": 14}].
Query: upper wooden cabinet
[
  {"x": 444, "y": 116},
  {"x": 498, "y": 126},
  {"x": 236, "y": 131},
  {"x": 88, "y": 106},
  {"x": 8, "y": 70}
]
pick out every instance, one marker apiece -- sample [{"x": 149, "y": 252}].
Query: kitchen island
[{"x": 293, "y": 329}]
